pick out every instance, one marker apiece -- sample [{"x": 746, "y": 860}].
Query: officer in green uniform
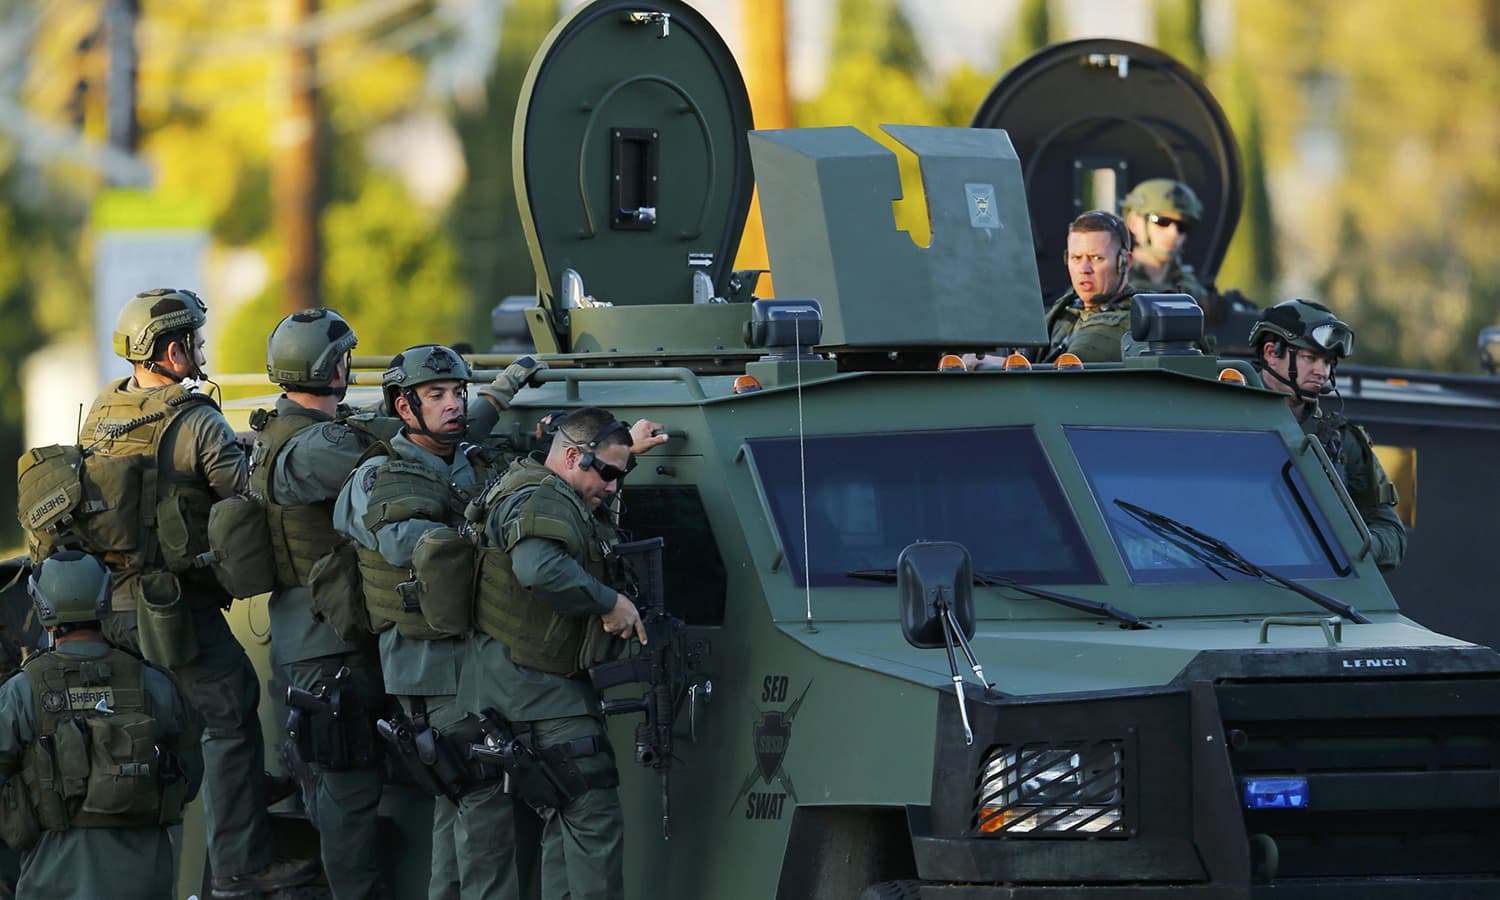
[
  {"x": 83, "y": 833},
  {"x": 303, "y": 452},
  {"x": 1090, "y": 320},
  {"x": 1159, "y": 213},
  {"x": 158, "y": 411},
  {"x": 418, "y": 481},
  {"x": 1297, "y": 347},
  {"x": 541, "y": 590}
]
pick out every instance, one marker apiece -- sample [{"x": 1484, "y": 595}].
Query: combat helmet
[
  {"x": 416, "y": 366},
  {"x": 1306, "y": 325},
  {"x": 305, "y": 348},
  {"x": 151, "y": 314},
  {"x": 1163, "y": 195},
  {"x": 70, "y": 586}
]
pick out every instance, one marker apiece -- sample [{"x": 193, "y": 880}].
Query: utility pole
[
  {"x": 770, "y": 101},
  {"x": 120, "y": 17},
  {"x": 296, "y": 156}
]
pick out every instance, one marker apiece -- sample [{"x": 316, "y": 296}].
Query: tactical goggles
[
  {"x": 1335, "y": 337},
  {"x": 1183, "y": 226}
]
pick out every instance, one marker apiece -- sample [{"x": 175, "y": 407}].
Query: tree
[
  {"x": 484, "y": 221},
  {"x": 1179, "y": 31},
  {"x": 879, "y": 29},
  {"x": 1252, "y": 264},
  {"x": 1033, "y": 30}
]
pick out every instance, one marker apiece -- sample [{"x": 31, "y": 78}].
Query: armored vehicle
[
  {"x": 1189, "y": 678},
  {"x": 1091, "y": 118}
]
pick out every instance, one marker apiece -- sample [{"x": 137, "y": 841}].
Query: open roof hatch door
[
  {"x": 632, "y": 168},
  {"x": 1092, "y": 118}
]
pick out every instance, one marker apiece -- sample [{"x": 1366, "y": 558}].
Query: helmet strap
[
  {"x": 415, "y": 404},
  {"x": 1290, "y": 378}
]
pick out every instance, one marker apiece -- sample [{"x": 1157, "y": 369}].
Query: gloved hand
[{"x": 517, "y": 375}]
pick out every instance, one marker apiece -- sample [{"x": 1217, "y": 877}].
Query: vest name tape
[{"x": 87, "y": 698}]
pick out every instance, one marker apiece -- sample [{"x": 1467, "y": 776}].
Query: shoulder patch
[
  {"x": 54, "y": 701},
  {"x": 368, "y": 479}
]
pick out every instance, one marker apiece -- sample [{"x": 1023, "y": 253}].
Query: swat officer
[
  {"x": 1160, "y": 213},
  {"x": 167, "y": 604},
  {"x": 303, "y": 452},
  {"x": 541, "y": 590},
  {"x": 86, "y": 699},
  {"x": 1297, "y": 346},
  {"x": 418, "y": 481},
  {"x": 1089, "y": 320}
]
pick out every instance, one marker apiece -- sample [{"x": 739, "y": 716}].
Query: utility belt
[
  {"x": 437, "y": 762},
  {"x": 330, "y": 725},
  {"x": 543, "y": 777}
]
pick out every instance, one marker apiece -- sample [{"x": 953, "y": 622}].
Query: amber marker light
[
  {"x": 952, "y": 363},
  {"x": 1016, "y": 361},
  {"x": 1232, "y": 376},
  {"x": 746, "y": 384},
  {"x": 1068, "y": 361}
]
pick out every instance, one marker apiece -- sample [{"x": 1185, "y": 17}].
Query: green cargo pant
[
  {"x": 443, "y": 714},
  {"x": 583, "y": 843},
  {"x": 221, "y": 685},
  {"x": 348, "y": 802}
]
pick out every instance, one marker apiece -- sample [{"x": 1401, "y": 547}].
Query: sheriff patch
[
  {"x": 54, "y": 701},
  {"x": 82, "y": 699}
]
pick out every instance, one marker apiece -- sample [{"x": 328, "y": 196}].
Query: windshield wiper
[
  {"x": 1210, "y": 550},
  {"x": 987, "y": 579}
]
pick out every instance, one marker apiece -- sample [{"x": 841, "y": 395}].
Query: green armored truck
[
  {"x": 1074, "y": 631},
  {"x": 1097, "y": 631}
]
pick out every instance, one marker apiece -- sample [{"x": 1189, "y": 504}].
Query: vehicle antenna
[{"x": 802, "y": 465}]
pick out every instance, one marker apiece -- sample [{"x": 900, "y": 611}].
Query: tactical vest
[
  {"x": 1065, "y": 323},
  {"x": 536, "y": 635},
  {"x": 96, "y": 761},
  {"x": 407, "y": 489},
  {"x": 301, "y": 533},
  {"x": 170, "y": 517}
]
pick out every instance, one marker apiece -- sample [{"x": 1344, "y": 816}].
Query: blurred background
[{"x": 276, "y": 154}]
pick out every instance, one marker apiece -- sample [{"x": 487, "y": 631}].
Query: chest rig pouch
[
  {"x": 402, "y": 490},
  {"x": 97, "y": 761}
]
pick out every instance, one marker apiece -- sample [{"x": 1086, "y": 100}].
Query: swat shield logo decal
[{"x": 771, "y": 734}]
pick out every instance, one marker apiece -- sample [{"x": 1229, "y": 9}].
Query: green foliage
[
  {"x": 1179, "y": 31},
  {"x": 30, "y": 236},
  {"x": 862, "y": 92},
  {"x": 1397, "y": 219},
  {"x": 1033, "y": 30},
  {"x": 388, "y": 269},
  {"x": 484, "y": 222},
  {"x": 1252, "y": 264},
  {"x": 961, "y": 93},
  {"x": 878, "y": 29}
]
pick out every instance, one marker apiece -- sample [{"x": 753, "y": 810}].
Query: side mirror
[{"x": 929, "y": 577}]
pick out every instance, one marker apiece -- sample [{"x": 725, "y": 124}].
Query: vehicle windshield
[
  {"x": 1239, "y": 486},
  {"x": 869, "y": 495}
]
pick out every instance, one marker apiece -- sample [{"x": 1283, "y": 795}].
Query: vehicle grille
[{"x": 1403, "y": 776}]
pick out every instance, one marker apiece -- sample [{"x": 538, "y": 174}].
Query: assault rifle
[{"x": 662, "y": 665}]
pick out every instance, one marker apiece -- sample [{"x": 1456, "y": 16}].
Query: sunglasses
[
  {"x": 1182, "y": 225},
  {"x": 605, "y": 470}
]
